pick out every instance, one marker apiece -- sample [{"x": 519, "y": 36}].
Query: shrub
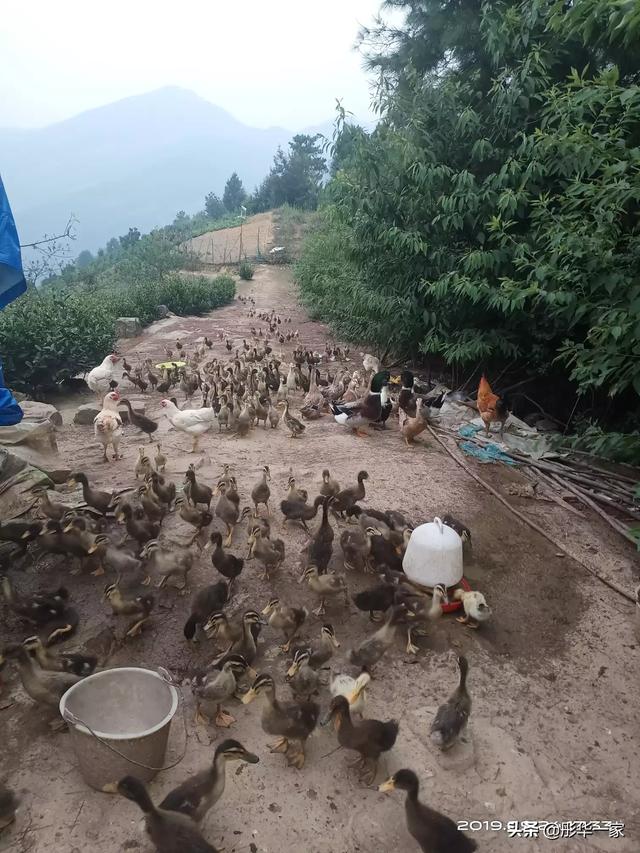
[
  {"x": 245, "y": 270},
  {"x": 49, "y": 336}
]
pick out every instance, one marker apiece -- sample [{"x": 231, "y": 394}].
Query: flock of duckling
[{"x": 371, "y": 542}]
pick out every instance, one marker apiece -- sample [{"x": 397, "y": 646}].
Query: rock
[
  {"x": 86, "y": 413},
  {"x": 34, "y": 411},
  {"x": 36, "y": 434},
  {"x": 128, "y": 327},
  {"x": 162, "y": 312}
]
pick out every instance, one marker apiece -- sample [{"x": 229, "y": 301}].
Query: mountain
[{"x": 134, "y": 162}]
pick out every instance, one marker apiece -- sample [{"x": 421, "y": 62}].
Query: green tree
[
  {"x": 234, "y": 194},
  {"x": 296, "y": 175},
  {"x": 494, "y": 212},
  {"x": 84, "y": 259},
  {"x": 129, "y": 239},
  {"x": 213, "y": 206}
]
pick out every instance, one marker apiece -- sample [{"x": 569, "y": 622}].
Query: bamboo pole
[{"x": 611, "y": 584}]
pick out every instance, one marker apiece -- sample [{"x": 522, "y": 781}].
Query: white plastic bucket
[
  {"x": 434, "y": 555},
  {"x": 119, "y": 723}
]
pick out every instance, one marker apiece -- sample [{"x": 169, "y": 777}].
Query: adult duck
[{"x": 368, "y": 409}]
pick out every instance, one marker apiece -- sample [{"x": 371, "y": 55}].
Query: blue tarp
[{"x": 12, "y": 285}]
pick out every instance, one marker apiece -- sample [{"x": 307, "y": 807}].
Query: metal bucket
[{"x": 119, "y": 723}]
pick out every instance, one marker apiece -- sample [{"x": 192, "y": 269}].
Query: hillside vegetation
[
  {"x": 491, "y": 218},
  {"x": 68, "y": 325}
]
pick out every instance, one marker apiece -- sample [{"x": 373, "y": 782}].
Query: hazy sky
[{"x": 281, "y": 62}]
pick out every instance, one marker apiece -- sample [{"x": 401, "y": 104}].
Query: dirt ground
[
  {"x": 230, "y": 245},
  {"x": 554, "y": 677}
]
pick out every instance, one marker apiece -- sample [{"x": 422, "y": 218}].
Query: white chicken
[
  {"x": 107, "y": 424},
  {"x": 99, "y": 378},
  {"x": 195, "y": 422}
]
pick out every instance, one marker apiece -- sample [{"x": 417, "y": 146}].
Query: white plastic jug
[{"x": 434, "y": 555}]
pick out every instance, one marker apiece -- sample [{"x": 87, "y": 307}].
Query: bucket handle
[
  {"x": 439, "y": 523},
  {"x": 70, "y": 717}
]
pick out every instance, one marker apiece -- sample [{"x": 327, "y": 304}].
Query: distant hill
[{"x": 134, "y": 162}]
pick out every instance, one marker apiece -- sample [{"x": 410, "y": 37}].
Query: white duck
[
  {"x": 99, "y": 378},
  {"x": 107, "y": 424},
  {"x": 195, "y": 422},
  {"x": 475, "y": 605},
  {"x": 354, "y": 689}
]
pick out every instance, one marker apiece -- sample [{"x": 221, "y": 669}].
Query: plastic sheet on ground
[
  {"x": 461, "y": 418},
  {"x": 488, "y": 453}
]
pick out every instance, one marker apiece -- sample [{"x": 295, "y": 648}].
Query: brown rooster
[{"x": 491, "y": 406}]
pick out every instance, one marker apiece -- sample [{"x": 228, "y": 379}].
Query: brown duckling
[
  {"x": 170, "y": 565},
  {"x": 200, "y": 792},
  {"x": 43, "y": 686},
  {"x": 198, "y": 518},
  {"x": 299, "y": 511},
  {"x": 77, "y": 664},
  {"x": 322, "y": 651},
  {"x": 287, "y": 619},
  {"x": 273, "y": 415},
  {"x": 356, "y": 547},
  {"x": 259, "y": 522},
  {"x": 150, "y": 503},
  {"x": 419, "y": 613},
  {"x": 160, "y": 459},
  {"x": 452, "y": 717},
  {"x": 20, "y": 531},
  {"x": 434, "y": 832},
  {"x": 227, "y": 510},
  {"x": 140, "y": 529},
  {"x": 55, "y": 539},
  {"x": 243, "y": 421},
  {"x": 102, "y": 501},
  {"x": 228, "y": 565},
  {"x": 37, "y": 608},
  {"x": 461, "y": 529},
  {"x": 170, "y": 831},
  {"x": 369, "y": 738},
  {"x": 320, "y": 548},
  {"x": 197, "y": 493},
  {"x": 346, "y": 498},
  {"x": 145, "y": 424},
  {"x": 242, "y": 638},
  {"x": 261, "y": 492},
  {"x": 291, "y": 721},
  {"x": 294, "y": 426},
  {"x": 302, "y": 678},
  {"x": 164, "y": 490},
  {"x": 139, "y": 606},
  {"x": 376, "y": 599},
  {"x": 55, "y": 511},
  {"x": 330, "y": 487},
  {"x": 143, "y": 465},
  {"x": 269, "y": 552},
  {"x": 324, "y": 586},
  {"x": 372, "y": 649},
  {"x": 210, "y": 599},
  {"x": 295, "y": 494},
  {"x": 214, "y": 686}
]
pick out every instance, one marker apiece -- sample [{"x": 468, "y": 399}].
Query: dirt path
[{"x": 554, "y": 677}]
